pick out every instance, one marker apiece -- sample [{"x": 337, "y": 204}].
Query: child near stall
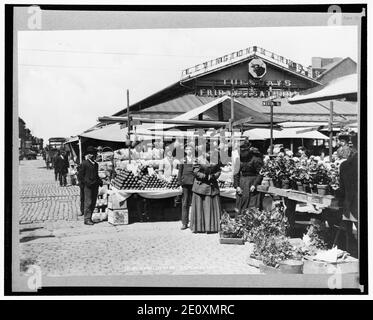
[{"x": 72, "y": 173}]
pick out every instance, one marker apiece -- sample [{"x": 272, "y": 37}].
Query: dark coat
[
  {"x": 88, "y": 174},
  {"x": 185, "y": 175},
  {"x": 349, "y": 186},
  {"x": 250, "y": 168},
  {"x": 61, "y": 164},
  {"x": 206, "y": 178}
]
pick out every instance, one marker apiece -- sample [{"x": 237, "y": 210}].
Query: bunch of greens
[
  {"x": 272, "y": 250},
  {"x": 261, "y": 224},
  {"x": 230, "y": 227}
]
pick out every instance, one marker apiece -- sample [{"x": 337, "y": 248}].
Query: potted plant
[
  {"x": 268, "y": 171},
  {"x": 333, "y": 174},
  {"x": 277, "y": 255},
  {"x": 322, "y": 180},
  {"x": 231, "y": 230}
]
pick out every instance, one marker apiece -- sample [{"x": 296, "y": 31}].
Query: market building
[{"x": 252, "y": 74}]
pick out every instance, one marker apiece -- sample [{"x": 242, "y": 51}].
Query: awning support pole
[
  {"x": 80, "y": 151},
  {"x": 128, "y": 125},
  {"x": 232, "y": 111},
  {"x": 331, "y": 130},
  {"x": 271, "y": 146}
]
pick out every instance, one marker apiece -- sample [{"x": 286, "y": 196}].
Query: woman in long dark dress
[
  {"x": 206, "y": 207},
  {"x": 247, "y": 179}
]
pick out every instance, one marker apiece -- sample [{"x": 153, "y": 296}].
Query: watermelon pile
[{"x": 126, "y": 180}]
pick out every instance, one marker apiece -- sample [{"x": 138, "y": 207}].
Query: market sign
[
  {"x": 257, "y": 68},
  {"x": 244, "y": 83},
  {"x": 246, "y": 93},
  {"x": 271, "y": 103},
  {"x": 239, "y": 55}
]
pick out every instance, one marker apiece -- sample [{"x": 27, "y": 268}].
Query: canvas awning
[
  {"x": 343, "y": 87},
  {"x": 112, "y": 132},
  {"x": 211, "y": 111},
  {"x": 286, "y": 133}
]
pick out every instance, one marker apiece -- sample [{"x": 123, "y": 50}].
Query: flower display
[{"x": 309, "y": 171}]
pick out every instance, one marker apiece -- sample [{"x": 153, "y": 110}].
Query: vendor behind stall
[
  {"x": 344, "y": 150},
  {"x": 348, "y": 192},
  {"x": 248, "y": 178}
]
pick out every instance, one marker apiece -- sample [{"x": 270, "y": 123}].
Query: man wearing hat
[
  {"x": 89, "y": 178},
  {"x": 348, "y": 191},
  {"x": 186, "y": 179},
  {"x": 344, "y": 149}
]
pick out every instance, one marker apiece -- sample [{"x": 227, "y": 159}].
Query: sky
[{"x": 67, "y": 79}]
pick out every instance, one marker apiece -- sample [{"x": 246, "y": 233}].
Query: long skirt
[
  {"x": 247, "y": 199},
  {"x": 206, "y": 212}
]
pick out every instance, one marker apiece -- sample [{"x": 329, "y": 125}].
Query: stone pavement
[
  {"x": 53, "y": 237},
  {"x": 42, "y": 199}
]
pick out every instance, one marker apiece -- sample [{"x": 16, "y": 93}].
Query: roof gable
[{"x": 240, "y": 56}]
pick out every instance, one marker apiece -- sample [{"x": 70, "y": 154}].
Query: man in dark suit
[
  {"x": 62, "y": 165},
  {"x": 88, "y": 174},
  {"x": 186, "y": 179}
]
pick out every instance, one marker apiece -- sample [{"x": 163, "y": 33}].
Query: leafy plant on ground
[
  {"x": 230, "y": 227},
  {"x": 273, "y": 249}
]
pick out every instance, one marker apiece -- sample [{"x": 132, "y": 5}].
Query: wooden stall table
[
  {"x": 145, "y": 198},
  {"x": 291, "y": 198}
]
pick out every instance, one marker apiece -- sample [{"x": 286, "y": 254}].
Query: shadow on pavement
[
  {"x": 30, "y": 229},
  {"x": 27, "y": 239}
]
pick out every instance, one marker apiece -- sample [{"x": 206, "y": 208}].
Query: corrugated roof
[
  {"x": 331, "y": 66},
  {"x": 345, "y": 86},
  {"x": 314, "y": 109}
]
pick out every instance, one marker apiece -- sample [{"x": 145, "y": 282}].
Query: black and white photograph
[{"x": 187, "y": 147}]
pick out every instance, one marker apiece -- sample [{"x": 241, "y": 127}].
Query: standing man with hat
[
  {"x": 186, "y": 179},
  {"x": 91, "y": 181}
]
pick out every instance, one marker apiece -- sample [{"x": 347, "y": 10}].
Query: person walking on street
[
  {"x": 186, "y": 178},
  {"x": 62, "y": 164},
  {"x": 81, "y": 187},
  {"x": 89, "y": 178},
  {"x": 54, "y": 164}
]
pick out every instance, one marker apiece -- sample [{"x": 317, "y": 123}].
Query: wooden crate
[
  {"x": 239, "y": 241},
  {"x": 349, "y": 265},
  {"x": 254, "y": 262},
  {"x": 118, "y": 217},
  {"x": 267, "y": 269}
]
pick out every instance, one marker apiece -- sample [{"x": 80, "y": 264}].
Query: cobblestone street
[{"x": 53, "y": 236}]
